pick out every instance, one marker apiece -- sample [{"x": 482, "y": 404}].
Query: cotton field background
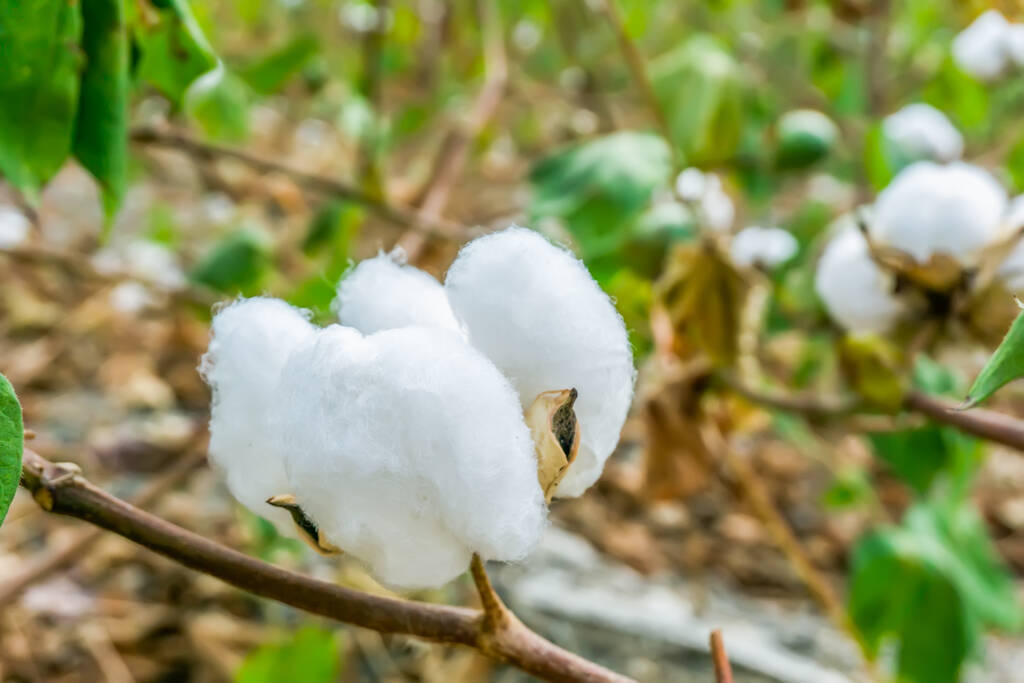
[{"x": 493, "y": 340}]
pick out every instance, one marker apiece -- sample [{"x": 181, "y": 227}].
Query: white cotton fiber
[
  {"x": 535, "y": 311},
  {"x": 955, "y": 209},
  {"x": 14, "y": 227},
  {"x": 409, "y": 450},
  {"x": 856, "y": 292},
  {"x": 981, "y": 49},
  {"x": 923, "y": 132},
  {"x": 766, "y": 247},
  {"x": 1011, "y": 270},
  {"x": 251, "y": 340},
  {"x": 383, "y": 293}
]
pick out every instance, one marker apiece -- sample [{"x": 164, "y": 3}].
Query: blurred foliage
[{"x": 310, "y": 655}]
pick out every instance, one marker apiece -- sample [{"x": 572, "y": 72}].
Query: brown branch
[
  {"x": 455, "y": 149},
  {"x": 65, "y": 492},
  {"x": 986, "y": 424},
  {"x": 311, "y": 182},
  {"x": 494, "y": 609},
  {"x": 810, "y": 405},
  {"x": 723, "y": 671}
]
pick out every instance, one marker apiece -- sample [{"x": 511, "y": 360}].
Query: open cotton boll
[
  {"x": 1011, "y": 271},
  {"x": 1014, "y": 40},
  {"x": 716, "y": 206},
  {"x": 251, "y": 340},
  {"x": 954, "y": 209},
  {"x": 382, "y": 293},
  {"x": 14, "y": 227},
  {"x": 980, "y": 49},
  {"x": 409, "y": 450},
  {"x": 923, "y": 132},
  {"x": 856, "y": 292},
  {"x": 535, "y": 311},
  {"x": 690, "y": 184},
  {"x": 766, "y": 247}
]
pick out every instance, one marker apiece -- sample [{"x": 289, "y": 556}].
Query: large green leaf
[
  {"x": 101, "y": 127},
  {"x": 173, "y": 50},
  {"x": 1006, "y": 364},
  {"x": 311, "y": 655},
  {"x": 39, "y": 65},
  {"x": 931, "y": 584},
  {"x": 12, "y": 434}
]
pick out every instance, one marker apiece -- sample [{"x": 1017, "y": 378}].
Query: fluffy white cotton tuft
[
  {"x": 535, "y": 311},
  {"x": 955, "y": 209},
  {"x": 856, "y": 292},
  {"x": 14, "y": 227},
  {"x": 383, "y": 293},
  {"x": 690, "y": 184},
  {"x": 409, "y": 450},
  {"x": 251, "y": 342},
  {"x": 1011, "y": 271},
  {"x": 923, "y": 132},
  {"x": 981, "y": 49},
  {"x": 766, "y": 247}
]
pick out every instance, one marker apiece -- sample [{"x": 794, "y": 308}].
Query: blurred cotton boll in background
[
  {"x": 690, "y": 184},
  {"x": 251, "y": 340},
  {"x": 382, "y": 293},
  {"x": 536, "y": 312},
  {"x": 955, "y": 209},
  {"x": 14, "y": 227},
  {"x": 757, "y": 246},
  {"x": 920, "y": 131},
  {"x": 856, "y": 292},
  {"x": 409, "y": 449},
  {"x": 981, "y": 49},
  {"x": 709, "y": 199}
]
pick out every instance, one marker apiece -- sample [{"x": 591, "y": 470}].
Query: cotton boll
[
  {"x": 767, "y": 247},
  {"x": 383, "y": 293},
  {"x": 251, "y": 340},
  {"x": 856, "y": 292},
  {"x": 409, "y": 450},
  {"x": 14, "y": 227},
  {"x": 1011, "y": 271},
  {"x": 923, "y": 132},
  {"x": 716, "y": 206},
  {"x": 534, "y": 310},
  {"x": 980, "y": 49},
  {"x": 690, "y": 184},
  {"x": 1014, "y": 39},
  {"x": 956, "y": 209}
]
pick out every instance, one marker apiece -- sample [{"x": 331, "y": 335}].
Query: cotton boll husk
[
  {"x": 251, "y": 340},
  {"x": 382, "y": 293},
  {"x": 764, "y": 246},
  {"x": 856, "y": 292},
  {"x": 955, "y": 209},
  {"x": 923, "y": 132},
  {"x": 535, "y": 311},
  {"x": 409, "y": 450},
  {"x": 980, "y": 49}
]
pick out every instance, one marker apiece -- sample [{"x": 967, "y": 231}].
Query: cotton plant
[
  {"x": 762, "y": 247},
  {"x": 921, "y": 132},
  {"x": 435, "y": 420},
  {"x": 989, "y": 47},
  {"x": 858, "y": 294},
  {"x": 706, "y": 195}
]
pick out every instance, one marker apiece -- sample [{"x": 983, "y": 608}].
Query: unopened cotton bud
[
  {"x": 923, "y": 132},
  {"x": 536, "y": 312},
  {"x": 383, "y": 293},
  {"x": 980, "y": 49},
  {"x": 954, "y": 209},
  {"x": 857, "y": 294},
  {"x": 766, "y": 247},
  {"x": 409, "y": 450},
  {"x": 251, "y": 340}
]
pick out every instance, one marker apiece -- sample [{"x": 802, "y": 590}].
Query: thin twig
[
  {"x": 391, "y": 212},
  {"x": 723, "y": 670},
  {"x": 638, "y": 69},
  {"x": 455, "y": 149},
  {"x": 64, "y": 492},
  {"x": 494, "y": 609},
  {"x": 810, "y": 405}
]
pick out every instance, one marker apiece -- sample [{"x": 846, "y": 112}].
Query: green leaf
[
  {"x": 311, "y": 655},
  {"x": 934, "y": 579},
  {"x": 12, "y": 435},
  {"x": 236, "y": 264},
  {"x": 1005, "y": 365},
  {"x": 699, "y": 85},
  {"x": 272, "y": 72},
  {"x": 39, "y": 64},
  {"x": 101, "y": 127},
  {"x": 920, "y": 455},
  {"x": 219, "y": 102},
  {"x": 173, "y": 50}
]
